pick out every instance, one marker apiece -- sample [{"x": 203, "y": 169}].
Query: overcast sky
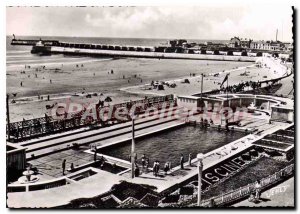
[{"x": 250, "y": 21}]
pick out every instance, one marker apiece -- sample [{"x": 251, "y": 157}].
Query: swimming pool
[{"x": 168, "y": 146}]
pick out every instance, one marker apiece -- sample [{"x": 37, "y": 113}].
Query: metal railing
[
  {"x": 242, "y": 192},
  {"x": 27, "y": 129}
]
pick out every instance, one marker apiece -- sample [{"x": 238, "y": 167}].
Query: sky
[{"x": 258, "y": 22}]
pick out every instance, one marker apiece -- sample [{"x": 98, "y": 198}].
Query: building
[
  {"x": 237, "y": 42},
  {"x": 15, "y": 159},
  {"x": 177, "y": 42},
  {"x": 267, "y": 45}
]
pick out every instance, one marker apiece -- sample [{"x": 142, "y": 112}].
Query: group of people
[
  {"x": 241, "y": 86},
  {"x": 36, "y": 75},
  {"x": 156, "y": 164}
]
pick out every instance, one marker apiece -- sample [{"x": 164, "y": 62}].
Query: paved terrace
[{"x": 45, "y": 146}]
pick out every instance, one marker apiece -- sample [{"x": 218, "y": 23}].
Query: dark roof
[{"x": 150, "y": 200}]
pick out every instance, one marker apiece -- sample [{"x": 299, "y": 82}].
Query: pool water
[{"x": 168, "y": 146}]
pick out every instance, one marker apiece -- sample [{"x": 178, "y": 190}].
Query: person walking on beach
[
  {"x": 50, "y": 81},
  {"x": 64, "y": 166},
  {"x": 21, "y": 84},
  {"x": 181, "y": 161},
  {"x": 190, "y": 159}
]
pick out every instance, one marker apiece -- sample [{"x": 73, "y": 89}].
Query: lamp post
[
  {"x": 201, "y": 86},
  {"x": 132, "y": 150},
  {"x": 200, "y": 169}
]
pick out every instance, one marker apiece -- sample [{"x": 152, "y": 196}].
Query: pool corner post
[
  {"x": 200, "y": 169},
  {"x": 132, "y": 150},
  {"x": 7, "y": 117}
]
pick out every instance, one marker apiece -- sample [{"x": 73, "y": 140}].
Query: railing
[
  {"x": 245, "y": 191},
  {"x": 38, "y": 186},
  {"x": 27, "y": 129}
]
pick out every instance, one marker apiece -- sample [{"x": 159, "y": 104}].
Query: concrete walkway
[
  {"x": 281, "y": 195},
  {"x": 86, "y": 188}
]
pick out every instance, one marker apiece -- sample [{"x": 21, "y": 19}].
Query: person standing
[
  {"x": 257, "y": 189},
  {"x": 157, "y": 168},
  {"x": 166, "y": 168},
  {"x": 143, "y": 161},
  {"x": 154, "y": 168},
  {"x": 95, "y": 155},
  {"x": 181, "y": 161},
  {"x": 147, "y": 164},
  {"x": 190, "y": 159},
  {"x": 64, "y": 166}
]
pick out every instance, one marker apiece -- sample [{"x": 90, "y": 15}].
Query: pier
[{"x": 158, "y": 52}]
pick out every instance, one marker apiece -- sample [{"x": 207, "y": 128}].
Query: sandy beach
[{"x": 82, "y": 76}]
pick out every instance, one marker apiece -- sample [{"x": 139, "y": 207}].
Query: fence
[{"x": 27, "y": 129}]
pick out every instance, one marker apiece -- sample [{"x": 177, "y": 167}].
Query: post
[
  {"x": 227, "y": 91},
  {"x": 200, "y": 169},
  {"x": 201, "y": 86},
  {"x": 7, "y": 116},
  {"x": 132, "y": 151}
]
